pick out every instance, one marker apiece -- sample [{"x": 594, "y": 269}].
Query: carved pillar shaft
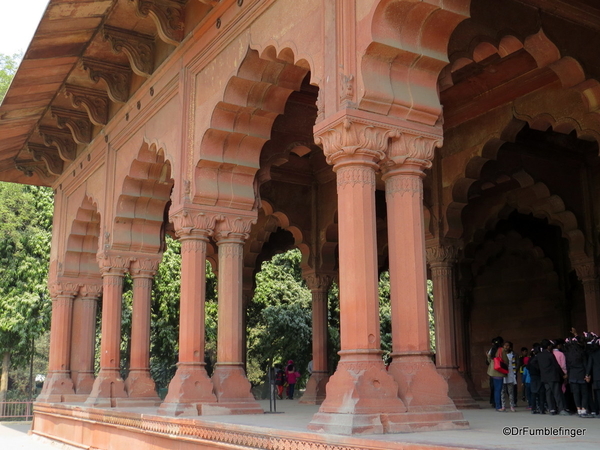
[
  {"x": 589, "y": 278},
  {"x": 191, "y": 385},
  {"x": 232, "y": 388},
  {"x": 83, "y": 338},
  {"x": 58, "y": 383}
]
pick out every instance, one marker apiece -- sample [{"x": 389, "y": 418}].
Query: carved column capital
[
  {"x": 586, "y": 271},
  {"x": 412, "y": 148},
  {"x": 318, "y": 281},
  {"x": 138, "y": 47},
  {"x": 441, "y": 255},
  {"x": 63, "y": 289},
  {"x": 167, "y": 15},
  {"x": 145, "y": 266},
  {"x": 114, "y": 264},
  {"x": 233, "y": 227},
  {"x": 94, "y": 101},
  {"x": 91, "y": 291},
  {"x": 194, "y": 223},
  {"x": 354, "y": 138}
]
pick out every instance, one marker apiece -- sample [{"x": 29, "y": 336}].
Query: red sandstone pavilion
[{"x": 449, "y": 139}]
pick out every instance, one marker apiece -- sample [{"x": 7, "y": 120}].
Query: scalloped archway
[{"x": 82, "y": 243}]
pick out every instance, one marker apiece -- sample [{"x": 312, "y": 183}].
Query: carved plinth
[
  {"x": 107, "y": 389},
  {"x": 425, "y": 393},
  {"x": 457, "y": 388},
  {"x": 141, "y": 389},
  {"x": 233, "y": 391},
  {"x": 84, "y": 382},
  {"x": 315, "y": 389},
  {"x": 56, "y": 386},
  {"x": 361, "y": 397},
  {"x": 189, "y": 387}
]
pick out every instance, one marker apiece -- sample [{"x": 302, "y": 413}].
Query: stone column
[
  {"x": 423, "y": 390},
  {"x": 441, "y": 261},
  {"x": 232, "y": 388},
  {"x": 191, "y": 387},
  {"x": 361, "y": 395},
  {"x": 587, "y": 274},
  {"x": 139, "y": 384},
  {"x": 83, "y": 339},
  {"x": 315, "y": 387},
  {"x": 109, "y": 386},
  {"x": 58, "y": 383}
]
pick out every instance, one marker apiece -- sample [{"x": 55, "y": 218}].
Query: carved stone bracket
[
  {"x": 76, "y": 121},
  {"x": 94, "y": 101},
  {"x": 116, "y": 77},
  {"x": 62, "y": 140},
  {"x": 234, "y": 227},
  {"x": 34, "y": 167},
  {"x": 138, "y": 47},
  {"x": 167, "y": 15},
  {"x": 49, "y": 156}
]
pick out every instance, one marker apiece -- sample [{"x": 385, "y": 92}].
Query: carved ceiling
[{"x": 85, "y": 61}]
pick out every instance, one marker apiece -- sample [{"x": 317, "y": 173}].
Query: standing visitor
[{"x": 497, "y": 377}]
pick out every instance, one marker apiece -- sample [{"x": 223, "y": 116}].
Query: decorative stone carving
[
  {"x": 138, "y": 47},
  {"x": 91, "y": 290},
  {"x": 114, "y": 264},
  {"x": 49, "y": 156},
  {"x": 62, "y": 140},
  {"x": 346, "y": 90},
  {"x": 404, "y": 185},
  {"x": 349, "y": 136},
  {"x": 586, "y": 271},
  {"x": 144, "y": 266},
  {"x": 116, "y": 77},
  {"x": 353, "y": 175},
  {"x": 167, "y": 15},
  {"x": 94, "y": 101},
  {"x": 76, "y": 121}
]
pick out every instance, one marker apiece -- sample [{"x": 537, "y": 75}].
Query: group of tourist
[
  {"x": 554, "y": 374},
  {"x": 286, "y": 379}
]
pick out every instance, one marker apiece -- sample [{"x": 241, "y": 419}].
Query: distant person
[
  {"x": 576, "y": 368},
  {"x": 538, "y": 390},
  {"x": 552, "y": 376},
  {"x": 497, "y": 350},
  {"x": 510, "y": 379},
  {"x": 292, "y": 376},
  {"x": 280, "y": 380}
]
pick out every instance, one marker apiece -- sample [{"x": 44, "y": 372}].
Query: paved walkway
[{"x": 488, "y": 430}]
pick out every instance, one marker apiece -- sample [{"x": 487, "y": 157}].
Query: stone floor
[{"x": 487, "y": 429}]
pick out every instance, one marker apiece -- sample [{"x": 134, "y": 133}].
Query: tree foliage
[
  {"x": 8, "y": 68},
  {"x": 25, "y": 236}
]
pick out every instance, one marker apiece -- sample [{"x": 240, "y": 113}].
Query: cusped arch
[
  {"x": 141, "y": 206},
  {"x": 409, "y": 42},
  {"x": 82, "y": 243},
  {"x": 240, "y": 125}
]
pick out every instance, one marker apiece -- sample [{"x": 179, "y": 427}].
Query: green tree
[
  {"x": 8, "y": 68},
  {"x": 25, "y": 236}
]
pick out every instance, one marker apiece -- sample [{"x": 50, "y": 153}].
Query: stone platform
[{"x": 129, "y": 428}]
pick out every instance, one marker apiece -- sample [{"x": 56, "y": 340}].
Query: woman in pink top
[{"x": 292, "y": 376}]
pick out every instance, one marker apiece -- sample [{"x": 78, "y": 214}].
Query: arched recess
[
  {"x": 401, "y": 66},
  {"x": 240, "y": 126},
  {"x": 270, "y": 221},
  {"x": 516, "y": 294},
  {"x": 141, "y": 209},
  {"x": 82, "y": 243}
]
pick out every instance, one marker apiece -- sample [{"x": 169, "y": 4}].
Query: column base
[
  {"x": 457, "y": 388},
  {"x": 108, "y": 387},
  {"x": 315, "y": 389},
  {"x": 84, "y": 382},
  {"x": 189, "y": 387},
  {"x": 361, "y": 397},
  {"x": 140, "y": 386},
  {"x": 233, "y": 391},
  {"x": 425, "y": 394},
  {"x": 56, "y": 386}
]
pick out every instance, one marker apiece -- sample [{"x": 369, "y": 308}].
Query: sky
[{"x": 18, "y": 21}]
